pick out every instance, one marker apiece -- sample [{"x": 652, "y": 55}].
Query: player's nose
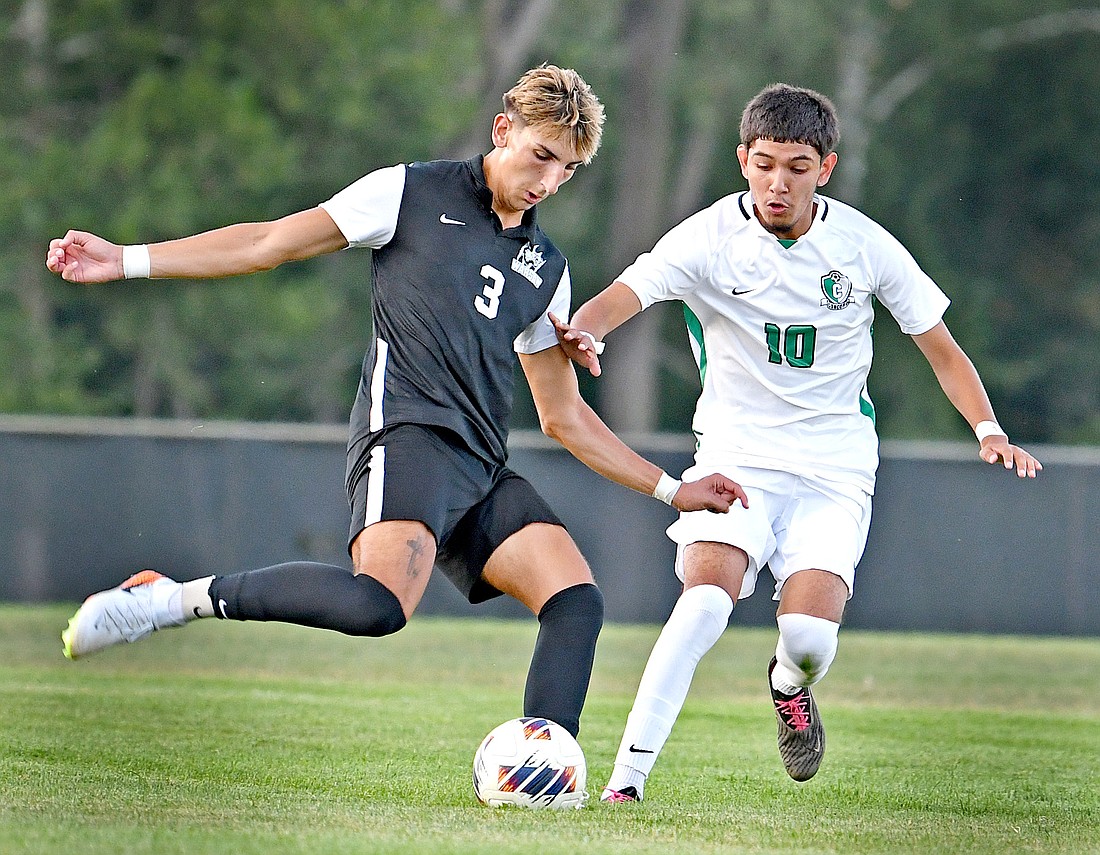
[{"x": 553, "y": 178}]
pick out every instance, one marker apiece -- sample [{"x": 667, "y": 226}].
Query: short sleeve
[
  {"x": 677, "y": 262},
  {"x": 366, "y": 211},
  {"x": 540, "y": 335},
  {"x": 910, "y": 294}
]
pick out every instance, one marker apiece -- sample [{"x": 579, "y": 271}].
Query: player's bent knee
[
  {"x": 712, "y": 599},
  {"x": 579, "y": 604},
  {"x": 381, "y": 610},
  {"x": 807, "y": 644}
]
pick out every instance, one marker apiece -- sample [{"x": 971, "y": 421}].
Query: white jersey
[{"x": 782, "y": 335}]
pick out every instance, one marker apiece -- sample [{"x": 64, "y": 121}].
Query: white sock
[
  {"x": 195, "y": 598},
  {"x": 696, "y": 623},
  {"x": 807, "y": 646}
]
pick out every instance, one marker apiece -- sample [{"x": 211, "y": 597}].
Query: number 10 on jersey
[{"x": 795, "y": 344}]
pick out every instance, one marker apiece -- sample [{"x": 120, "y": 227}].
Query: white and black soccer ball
[{"x": 530, "y": 762}]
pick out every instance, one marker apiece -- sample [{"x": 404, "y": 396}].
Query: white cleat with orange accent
[{"x": 144, "y": 603}]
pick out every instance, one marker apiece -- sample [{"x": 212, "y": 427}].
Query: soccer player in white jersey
[{"x": 777, "y": 284}]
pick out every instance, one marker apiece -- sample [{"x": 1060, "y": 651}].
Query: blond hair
[{"x": 558, "y": 102}]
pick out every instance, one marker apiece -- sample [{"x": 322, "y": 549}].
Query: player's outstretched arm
[
  {"x": 959, "y": 380},
  {"x": 565, "y": 417},
  {"x": 229, "y": 251},
  {"x": 582, "y": 340}
]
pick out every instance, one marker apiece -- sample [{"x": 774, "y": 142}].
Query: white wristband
[
  {"x": 666, "y": 488},
  {"x": 988, "y": 428},
  {"x": 135, "y": 261},
  {"x": 597, "y": 346}
]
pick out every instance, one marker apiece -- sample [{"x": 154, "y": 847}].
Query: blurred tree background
[{"x": 970, "y": 128}]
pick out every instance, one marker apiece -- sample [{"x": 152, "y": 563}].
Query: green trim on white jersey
[{"x": 698, "y": 344}]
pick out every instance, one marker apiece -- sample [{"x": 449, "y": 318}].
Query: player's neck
[
  {"x": 508, "y": 219},
  {"x": 509, "y": 216}
]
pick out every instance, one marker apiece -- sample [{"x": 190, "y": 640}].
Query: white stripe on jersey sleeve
[
  {"x": 540, "y": 335},
  {"x": 366, "y": 211}
]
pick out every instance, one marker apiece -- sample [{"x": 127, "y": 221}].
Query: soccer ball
[{"x": 530, "y": 762}]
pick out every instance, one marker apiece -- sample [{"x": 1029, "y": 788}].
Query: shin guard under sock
[
  {"x": 561, "y": 666},
  {"x": 309, "y": 594},
  {"x": 695, "y": 625}
]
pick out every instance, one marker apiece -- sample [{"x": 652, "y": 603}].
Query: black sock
[
  {"x": 561, "y": 665},
  {"x": 309, "y": 594}
]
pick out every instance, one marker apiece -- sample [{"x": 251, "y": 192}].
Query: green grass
[{"x": 270, "y": 739}]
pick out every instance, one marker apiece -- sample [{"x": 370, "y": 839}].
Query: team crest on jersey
[
  {"x": 527, "y": 263},
  {"x": 837, "y": 289}
]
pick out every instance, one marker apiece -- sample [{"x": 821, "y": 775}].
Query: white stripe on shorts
[
  {"x": 378, "y": 386},
  {"x": 376, "y": 479}
]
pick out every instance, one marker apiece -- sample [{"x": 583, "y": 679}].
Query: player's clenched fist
[{"x": 84, "y": 257}]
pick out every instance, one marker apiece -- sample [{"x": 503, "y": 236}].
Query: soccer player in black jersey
[{"x": 463, "y": 278}]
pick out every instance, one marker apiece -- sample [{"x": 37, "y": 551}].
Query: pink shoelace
[
  {"x": 795, "y": 712},
  {"x": 618, "y": 798}
]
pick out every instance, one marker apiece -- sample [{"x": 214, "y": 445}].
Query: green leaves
[{"x": 967, "y": 131}]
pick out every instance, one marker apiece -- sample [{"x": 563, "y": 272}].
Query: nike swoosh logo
[
  {"x": 447, "y": 221},
  {"x": 636, "y": 750},
  {"x": 737, "y": 293},
  {"x": 221, "y": 607}
]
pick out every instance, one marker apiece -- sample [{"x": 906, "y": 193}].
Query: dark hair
[{"x": 783, "y": 113}]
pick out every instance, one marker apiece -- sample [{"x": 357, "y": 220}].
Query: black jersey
[{"x": 454, "y": 295}]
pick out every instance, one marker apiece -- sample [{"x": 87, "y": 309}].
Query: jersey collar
[
  {"x": 745, "y": 205},
  {"x": 526, "y": 229}
]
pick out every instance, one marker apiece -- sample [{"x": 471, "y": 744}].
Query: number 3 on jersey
[{"x": 488, "y": 301}]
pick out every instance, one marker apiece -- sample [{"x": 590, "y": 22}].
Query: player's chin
[{"x": 780, "y": 225}]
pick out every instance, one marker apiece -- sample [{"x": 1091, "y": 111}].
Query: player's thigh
[
  {"x": 535, "y": 563},
  {"x": 399, "y": 554},
  {"x": 819, "y": 593},
  {"x": 709, "y": 563},
  {"x": 822, "y": 541},
  {"x": 409, "y": 488},
  {"x": 512, "y": 543},
  {"x": 745, "y": 533}
]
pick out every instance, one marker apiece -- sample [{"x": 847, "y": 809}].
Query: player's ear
[
  {"x": 827, "y": 166},
  {"x": 501, "y": 125},
  {"x": 743, "y": 159}
]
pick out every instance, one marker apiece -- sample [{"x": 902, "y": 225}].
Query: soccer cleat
[
  {"x": 618, "y": 797},
  {"x": 128, "y": 613},
  {"x": 801, "y": 734}
]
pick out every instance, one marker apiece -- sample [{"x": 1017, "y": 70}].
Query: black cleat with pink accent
[
  {"x": 801, "y": 734},
  {"x": 619, "y": 797}
]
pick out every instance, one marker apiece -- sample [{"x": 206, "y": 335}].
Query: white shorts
[{"x": 792, "y": 523}]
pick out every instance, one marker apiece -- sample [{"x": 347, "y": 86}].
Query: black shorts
[{"x": 413, "y": 472}]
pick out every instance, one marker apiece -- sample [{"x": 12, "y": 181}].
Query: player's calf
[{"x": 306, "y": 593}]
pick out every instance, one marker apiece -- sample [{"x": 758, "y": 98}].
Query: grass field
[{"x": 270, "y": 739}]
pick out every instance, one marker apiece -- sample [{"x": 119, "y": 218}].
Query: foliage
[{"x": 968, "y": 126}]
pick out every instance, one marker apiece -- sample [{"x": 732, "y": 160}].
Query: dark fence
[{"x": 955, "y": 544}]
